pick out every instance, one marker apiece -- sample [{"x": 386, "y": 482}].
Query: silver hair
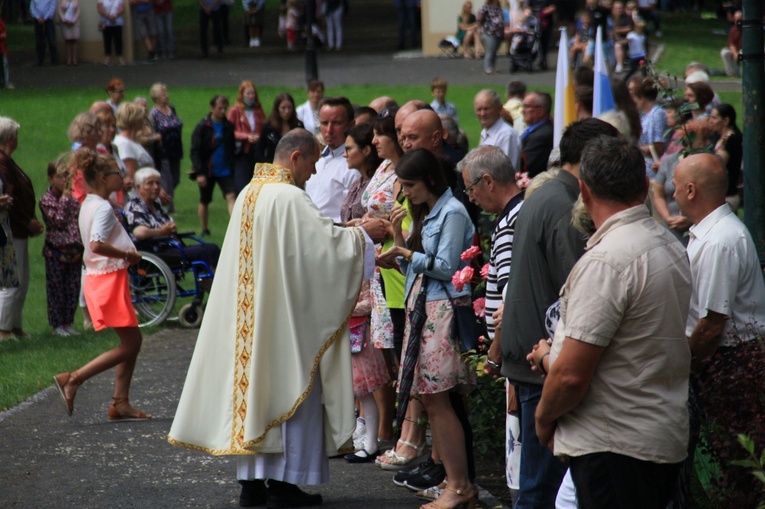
[
  {"x": 143, "y": 174},
  {"x": 450, "y": 125},
  {"x": 9, "y": 130},
  {"x": 487, "y": 160},
  {"x": 493, "y": 96},
  {"x": 296, "y": 139}
]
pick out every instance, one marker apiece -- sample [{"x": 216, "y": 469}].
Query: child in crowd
[
  {"x": 69, "y": 19},
  {"x": 292, "y": 23},
  {"x": 524, "y": 34},
  {"x": 4, "y": 74},
  {"x": 630, "y": 8},
  {"x": 637, "y": 44},
  {"x": 514, "y": 94},
  {"x": 108, "y": 253},
  {"x": 438, "y": 89},
  {"x": 62, "y": 250},
  {"x": 581, "y": 40}
]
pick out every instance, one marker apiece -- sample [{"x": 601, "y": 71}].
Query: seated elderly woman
[{"x": 147, "y": 220}]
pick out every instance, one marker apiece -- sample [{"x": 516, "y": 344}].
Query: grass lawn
[{"x": 27, "y": 366}]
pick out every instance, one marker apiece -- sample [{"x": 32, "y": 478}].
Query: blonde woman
[{"x": 131, "y": 119}]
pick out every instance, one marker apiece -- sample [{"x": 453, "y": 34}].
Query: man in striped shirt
[{"x": 489, "y": 178}]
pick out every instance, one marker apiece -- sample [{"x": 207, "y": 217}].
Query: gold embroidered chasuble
[{"x": 277, "y": 316}]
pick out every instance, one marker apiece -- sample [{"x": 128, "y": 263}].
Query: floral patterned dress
[
  {"x": 440, "y": 366},
  {"x": 9, "y": 275},
  {"x": 369, "y": 369},
  {"x": 378, "y": 199}
]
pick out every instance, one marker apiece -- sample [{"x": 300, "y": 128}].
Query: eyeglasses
[
  {"x": 107, "y": 173},
  {"x": 469, "y": 189},
  {"x": 530, "y": 106}
]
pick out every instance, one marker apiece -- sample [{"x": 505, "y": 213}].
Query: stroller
[{"x": 524, "y": 44}]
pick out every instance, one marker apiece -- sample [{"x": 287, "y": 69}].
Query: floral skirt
[
  {"x": 440, "y": 366},
  {"x": 369, "y": 370},
  {"x": 380, "y": 323}
]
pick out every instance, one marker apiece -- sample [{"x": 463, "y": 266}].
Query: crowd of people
[
  {"x": 390, "y": 179},
  {"x": 380, "y": 204}
]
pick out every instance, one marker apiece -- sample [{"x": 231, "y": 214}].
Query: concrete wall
[
  {"x": 439, "y": 20},
  {"x": 91, "y": 45}
]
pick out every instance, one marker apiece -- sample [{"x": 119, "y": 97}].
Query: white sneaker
[
  {"x": 257, "y": 42},
  {"x": 60, "y": 331},
  {"x": 252, "y": 43},
  {"x": 618, "y": 68},
  {"x": 71, "y": 330}
]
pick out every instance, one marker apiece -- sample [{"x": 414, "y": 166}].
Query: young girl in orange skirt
[{"x": 108, "y": 253}]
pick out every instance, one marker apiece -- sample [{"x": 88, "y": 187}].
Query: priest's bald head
[{"x": 298, "y": 151}]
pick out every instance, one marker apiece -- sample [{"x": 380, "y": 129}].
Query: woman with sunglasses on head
[{"x": 387, "y": 318}]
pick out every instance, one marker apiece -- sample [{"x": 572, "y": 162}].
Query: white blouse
[{"x": 99, "y": 224}]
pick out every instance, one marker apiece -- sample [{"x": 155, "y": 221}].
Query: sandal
[
  {"x": 467, "y": 499},
  {"x": 401, "y": 462},
  {"x": 61, "y": 381},
  {"x": 126, "y": 412}
]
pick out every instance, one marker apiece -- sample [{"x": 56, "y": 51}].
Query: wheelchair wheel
[
  {"x": 190, "y": 315},
  {"x": 153, "y": 290}
]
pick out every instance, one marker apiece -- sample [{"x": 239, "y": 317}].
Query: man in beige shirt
[{"x": 615, "y": 397}]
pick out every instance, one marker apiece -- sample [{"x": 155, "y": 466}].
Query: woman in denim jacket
[{"x": 441, "y": 230}]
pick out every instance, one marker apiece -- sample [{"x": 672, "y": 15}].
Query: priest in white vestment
[{"x": 270, "y": 379}]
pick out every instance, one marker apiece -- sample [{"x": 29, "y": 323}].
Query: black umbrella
[{"x": 416, "y": 322}]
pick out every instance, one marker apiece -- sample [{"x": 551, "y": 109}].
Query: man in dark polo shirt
[{"x": 545, "y": 248}]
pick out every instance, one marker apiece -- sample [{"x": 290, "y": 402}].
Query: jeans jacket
[{"x": 446, "y": 232}]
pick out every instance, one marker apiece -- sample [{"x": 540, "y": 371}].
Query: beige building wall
[
  {"x": 439, "y": 20},
  {"x": 91, "y": 45}
]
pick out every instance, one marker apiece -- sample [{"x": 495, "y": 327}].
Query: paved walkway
[{"x": 50, "y": 460}]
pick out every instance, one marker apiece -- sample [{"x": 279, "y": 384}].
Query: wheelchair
[{"x": 159, "y": 279}]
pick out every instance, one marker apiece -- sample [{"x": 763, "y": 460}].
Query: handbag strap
[{"x": 448, "y": 295}]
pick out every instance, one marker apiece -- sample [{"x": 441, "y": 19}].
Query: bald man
[
  {"x": 727, "y": 303},
  {"x": 728, "y": 293},
  {"x": 496, "y": 132},
  {"x": 422, "y": 129},
  {"x": 380, "y": 103},
  {"x": 404, "y": 111}
]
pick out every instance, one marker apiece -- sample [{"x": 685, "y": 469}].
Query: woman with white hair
[
  {"x": 19, "y": 200},
  {"x": 147, "y": 220}
]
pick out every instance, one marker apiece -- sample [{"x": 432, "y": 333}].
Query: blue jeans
[
  {"x": 165, "y": 34},
  {"x": 490, "y": 47},
  {"x": 541, "y": 472}
]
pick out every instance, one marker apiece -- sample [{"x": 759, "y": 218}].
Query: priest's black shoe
[
  {"x": 283, "y": 494},
  {"x": 253, "y": 493}
]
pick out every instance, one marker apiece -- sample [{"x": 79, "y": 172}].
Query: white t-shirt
[
  {"x": 99, "y": 224},
  {"x": 129, "y": 149},
  {"x": 309, "y": 117},
  {"x": 637, "y": 44}
]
